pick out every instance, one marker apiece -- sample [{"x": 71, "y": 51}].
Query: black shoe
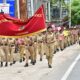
[
  {"x": 6, "y": 64},
  {"x": 40, "y": 59},
  {"x": 33, "y": 63},
  {"x": 14, "y": 62},
  {"x": 20, "y": 60},
  {"x": 29, "y": 57},
  {"x": 11, "y": 64},
  {"x": 26, "y": 65},
  {"x": 57, "y": 50},
  {"x": 54, "y": 52},
  {"x": 1, "y": 64},
  {"x": 23, "y": 59},
  {"x": 61, "y": 49},
  {"x": 49, "y": 66}
]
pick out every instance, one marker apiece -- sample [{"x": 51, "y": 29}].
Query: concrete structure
[
  {"x": 26, "y": 8},
  {"x": 21, "y": 9},
  {"x": 33, "y": 5}
]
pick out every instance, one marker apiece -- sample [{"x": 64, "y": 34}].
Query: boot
[
  {"x": 1, "y": 64},
  {"x": 23, "y": 59},
  {"x": 49, "y": 66},
  {"x": 61, "y": 49},
  {"x": 6, "y": 64},
  {"x": 20, "y": 60},
  {"x": 40, "y": 59},
  {"x": 33, "y": 63},
  {"x": 14, "y": 62},
  {"x": 11, "y": 64},
  {"x": 26, "y": 65}
]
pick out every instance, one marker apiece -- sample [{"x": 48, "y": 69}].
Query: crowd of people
[{"x": 46, "y": 43}]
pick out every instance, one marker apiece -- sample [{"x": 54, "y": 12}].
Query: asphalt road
[
  {"x": 68, "y": 66},
  {"x": 75, "y": 74}
]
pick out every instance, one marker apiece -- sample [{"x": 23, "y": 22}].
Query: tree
[{"x": 75, "y": 12}]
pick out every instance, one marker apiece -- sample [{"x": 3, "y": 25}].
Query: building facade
[
  {"x": 24, "y": 9},
  {"x": 33, "y": 5}
]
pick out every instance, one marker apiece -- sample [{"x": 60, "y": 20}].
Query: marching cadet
[
  {"x": 49, "y": 39},
  {"x": 72, "y": 36},
  {"x": 61, "y": 40},
  {"x": 44, "y": 43},
  {"x": 5, "y": 50},
  {"x": 79, "y": 36},
  {"x": 11, "y": 44},
  {"x": 1, "y": 53},
  {"x": 33, "y": 48},
  {"x": 56, "y": 43},
  {"x": 21, "y": 44},
  {"x": 65, "y": 32},
  {"x": 40, "y": 45},
  {"x": 27, "y": 53},
  {"x": 69, "y": 38}
]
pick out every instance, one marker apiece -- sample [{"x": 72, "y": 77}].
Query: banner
[
  {"x": 32, "y": 26},
  {"x": 4, "y": 7}
]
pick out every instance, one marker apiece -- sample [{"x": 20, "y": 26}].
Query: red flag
[{"x": 33, "y": 25}]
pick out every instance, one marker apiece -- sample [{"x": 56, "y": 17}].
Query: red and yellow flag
[{"x": 12, "y": 27}]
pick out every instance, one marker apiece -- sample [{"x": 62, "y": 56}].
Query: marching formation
[{"x": 45, "y": 43}]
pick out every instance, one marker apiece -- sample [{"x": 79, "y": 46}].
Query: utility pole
[
  {"x": 17, "y": 9},
  {"x": 23, "y": 9}
]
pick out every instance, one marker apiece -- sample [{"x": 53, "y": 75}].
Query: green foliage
[{"x": 75, "y": 12}]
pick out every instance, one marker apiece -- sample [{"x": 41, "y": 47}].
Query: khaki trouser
[
  {"x": 35, "y": 45},
  {"x": 69, "y": 40},
  {"x": 12, "y": 50},
  {"x": 61, "y": 44},
  {"x": 72, "y": 39},
  {"x": 32, "y": 53},
  {"x": 49, "y": 52},
  {"x": 56, "y": 45},
  {"x": 66, "y": 41},
  {"x": 40, "y": 49},
  {"x": 21, "y": 51},
  {"x": 6, "y": 52},
  {"x": 1, "y": 54},
  {"x": 27, "y": 54}
]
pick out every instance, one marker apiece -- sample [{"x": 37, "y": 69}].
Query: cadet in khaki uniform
[
  {"x": 27, "y": 53},
  {"x": 35, "y": 45},
  {"x": 11, "y": 43},
  {"x": 44, "y": 42},
  {"x": 69, "y": 38},
  {"x": 40, "y": 45},
  {"x": 1, "y": 53},
  {"x": 65, "y": 32},
  {"x": 32, "y": 49},
  {"x": 49, "y": 39},
  {"x": 56, "y": 43},
  {"x": 61, "y": 40},
  {"x": 72, "y": 36},
  {"x": 21, "y": 44},
  {"x": 5, "y": 50}
]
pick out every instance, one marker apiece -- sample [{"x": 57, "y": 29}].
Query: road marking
[{"x": 70, "y": 68}]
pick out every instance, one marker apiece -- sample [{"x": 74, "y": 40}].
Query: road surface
[{"x": 66, "y": 66}]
